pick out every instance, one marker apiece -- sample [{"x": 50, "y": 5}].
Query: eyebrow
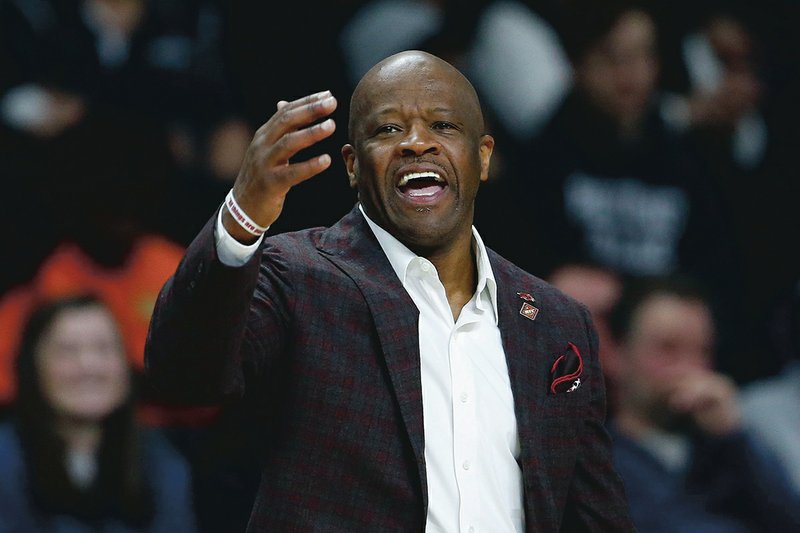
[{"x": 388, "y": 110}]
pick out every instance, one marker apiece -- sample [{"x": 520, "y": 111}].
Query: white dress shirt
[{"x": 471, "y": 440}]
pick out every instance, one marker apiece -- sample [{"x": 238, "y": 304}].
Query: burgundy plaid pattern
[{"x": 320, "y": 329}]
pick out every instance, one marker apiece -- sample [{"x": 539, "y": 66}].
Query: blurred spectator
[
  {"x": 770, "y": 404},
  {"x": 74, "y": 457},
  {"x": 686, "y": 459},
  {"x": 606, "y": 181},
  {"x": 134, "y": 58},
  {"x": 156, "y": 68},
  {"x": 730, "y": 82},
  {"x": 724, "y": 88},
  {"x": 109, "y": 245},
  {"x": 626, "y": 193},
  {"x": 107, "y": 211}
]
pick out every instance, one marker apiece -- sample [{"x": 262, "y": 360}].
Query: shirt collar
[{"x": 400, "y": 258}]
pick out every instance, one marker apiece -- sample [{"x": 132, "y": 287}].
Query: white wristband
[{"x": 241, "y": 217}]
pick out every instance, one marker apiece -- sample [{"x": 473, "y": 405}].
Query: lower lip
[{"x": 422, "y": 196}]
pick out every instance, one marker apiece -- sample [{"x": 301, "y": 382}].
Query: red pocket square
[{"x": 567, "y": 370}]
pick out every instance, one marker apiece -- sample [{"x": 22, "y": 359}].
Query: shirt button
[
  {"x": 471, "y": 529},
  {"x": 426, "y": 267},
  {"x": 465, "y": 465},
  {"x": 464, "y": 397}
]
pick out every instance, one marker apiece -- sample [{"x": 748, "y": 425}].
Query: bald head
[{"x": 425, "y": 71}]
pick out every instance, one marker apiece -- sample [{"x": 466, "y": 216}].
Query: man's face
[
  {"x": 671, "y": 337},
  {"x": 418, "y": 152},
  {"x": 619, "y": 74}
]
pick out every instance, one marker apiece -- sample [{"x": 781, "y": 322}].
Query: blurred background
[{"x": 655, "y": 143}]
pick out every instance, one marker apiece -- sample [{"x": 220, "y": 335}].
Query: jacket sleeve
[
  {"x": 742, "y": 478},
  {"x": 194, "y": 351}
]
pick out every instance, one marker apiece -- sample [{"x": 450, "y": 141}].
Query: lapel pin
[
  {"x": 529, "y": 311},
  {"x": 526, "y": 296}
]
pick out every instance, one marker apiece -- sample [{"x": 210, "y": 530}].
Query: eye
[
  {"x": 443, "y": 125},
  {"x": 387, "y": 128}
]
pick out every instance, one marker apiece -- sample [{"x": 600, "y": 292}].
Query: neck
[
  {"x": 80, "y": 436},
  {"x": 630, "y": 128},
  {"x": 458, "y": 273}
]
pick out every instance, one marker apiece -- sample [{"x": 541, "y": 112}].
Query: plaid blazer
[{"x": 320, "y": 330}]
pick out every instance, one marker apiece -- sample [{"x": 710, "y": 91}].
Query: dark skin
[{"x": 413, "y": 117}]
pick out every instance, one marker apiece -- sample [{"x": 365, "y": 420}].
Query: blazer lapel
[
  {"x": 351, "y": 245},
  {"x": 525, "y": 343}
]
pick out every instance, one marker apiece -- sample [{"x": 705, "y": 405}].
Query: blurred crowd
[{"x": 636, "y": 141}]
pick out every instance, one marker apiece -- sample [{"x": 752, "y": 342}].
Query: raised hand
[
  {"x": 710, "y": 400},
  {"x": 267, "y": 173}
]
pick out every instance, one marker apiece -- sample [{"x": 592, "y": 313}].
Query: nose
[
  {"x": 419, "y": 140},
  {"x": 89, "y": 358}
]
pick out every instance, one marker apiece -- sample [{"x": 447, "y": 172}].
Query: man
[
  {"x": 410, "y": 378},
  {"x": 679, "y": 442}
]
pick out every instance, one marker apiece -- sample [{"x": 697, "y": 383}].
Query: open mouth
[{"x": 421, "y": 185}]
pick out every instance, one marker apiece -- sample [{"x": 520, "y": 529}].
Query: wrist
[
  {"x": 238, "y": 223},
  {"x": 235, "y": 230}
]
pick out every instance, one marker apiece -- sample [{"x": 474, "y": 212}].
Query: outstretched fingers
[
  {"x": 295, "y": 126},
  {"x": 290, "y": 143},
  {"x": 298, "y": 114},
  {"x": 294, "y": 173}
]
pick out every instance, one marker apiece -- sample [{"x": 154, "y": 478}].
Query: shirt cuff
[{"x": 231, "y": 252}]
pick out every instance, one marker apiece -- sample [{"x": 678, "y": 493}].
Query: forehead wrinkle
[{"x": 392, "y": 109}]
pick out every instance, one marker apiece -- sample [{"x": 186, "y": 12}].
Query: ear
[
  {"x": 486, "y": 149},
  {"x": 351, "y": 164}
]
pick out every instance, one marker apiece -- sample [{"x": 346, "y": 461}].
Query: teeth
[{"x": 417, "y": 175}]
